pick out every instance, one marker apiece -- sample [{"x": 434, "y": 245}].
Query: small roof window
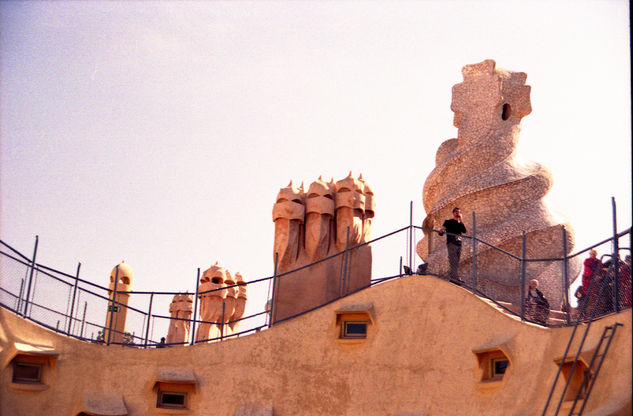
[
  {"x": 174, "y": 388},
  {"x": 31, "y": 365},
  {"x": 353, "y": 322},
  {"x": 494, "y": 362}
]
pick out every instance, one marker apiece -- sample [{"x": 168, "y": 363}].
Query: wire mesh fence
[
  {"x": 85, "y": 310},
  {"x": 14, "y": 272}
]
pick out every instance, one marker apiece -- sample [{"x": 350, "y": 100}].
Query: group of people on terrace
[
  {"x": 602, "y": 276},
  {"x": 595, "y": 275}
]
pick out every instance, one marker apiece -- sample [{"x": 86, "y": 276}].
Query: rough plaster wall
[{"x": 417, "y": 359}]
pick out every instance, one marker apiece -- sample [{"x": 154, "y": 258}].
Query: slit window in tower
[{"x": 505, "y": 112}]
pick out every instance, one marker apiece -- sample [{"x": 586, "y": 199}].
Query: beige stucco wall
[{"x": 416, "y": 360}]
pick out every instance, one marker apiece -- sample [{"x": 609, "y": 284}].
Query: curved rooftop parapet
[{"x": 409, "y": 335}]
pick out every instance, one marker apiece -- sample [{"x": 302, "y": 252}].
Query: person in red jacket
[{"x": 592, "y": 266}]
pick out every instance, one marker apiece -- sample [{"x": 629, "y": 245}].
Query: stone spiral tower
[{"x": 479, "y": 172}]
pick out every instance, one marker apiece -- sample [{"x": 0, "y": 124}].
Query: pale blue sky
[{"x": 160, "y": 132}]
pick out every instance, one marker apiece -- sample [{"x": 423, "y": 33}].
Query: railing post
[
  {"x": 149, "y": 318},
  {"x": 565, "y": 275},
  {"x": 616, "y": 257},
  {"x": 28, "y": 290},
  {"x": 523, "y": 251},
  {"x": 112, "y": 305},
  {"x": 411, "y": 236},
  {"x": 195, "y": 309},
  {"x": 222, "y": 321},
  {"x": 474, "y": 251},
  {"x": 72, "y": 305},
  {"x": 18, "y": 310},
  {"x": 76, "y": 320},
  {"x": 18, "y": 304},
  {"x": 274, "y": 296},
  {"x": 83, "y": 320},
  {"x": 345, "y": 263}
]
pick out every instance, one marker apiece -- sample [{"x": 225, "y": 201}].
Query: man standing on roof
[{"x": 454, "y": 227}]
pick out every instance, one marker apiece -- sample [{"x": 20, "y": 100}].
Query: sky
[{"x": 160, "y": 132}]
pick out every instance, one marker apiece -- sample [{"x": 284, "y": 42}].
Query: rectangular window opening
[
  {"x": 354, "y": 329},
  {"x": 27, "y": 372},
  {"x": 498, "y": 367},
  {"x": 172, "y": 400}
]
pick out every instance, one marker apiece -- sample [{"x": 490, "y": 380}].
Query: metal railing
[
  {"x": 593, "y": 304},
  {"x": 78, "y": 308}
]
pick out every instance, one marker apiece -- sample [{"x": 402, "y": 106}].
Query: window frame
[
  {"x": 494, "y": 374},
  {"x": 23, "y": 380},
  {"x": 160, "y": 404},
  {"x": 346, "y": 334},
  {"x": 487, "y": 358},
  {"x": 353, "y": 315}
]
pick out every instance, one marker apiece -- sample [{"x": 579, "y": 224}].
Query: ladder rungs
[{"x": 600, "y": 353}]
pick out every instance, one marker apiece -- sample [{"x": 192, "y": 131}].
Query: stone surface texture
[
  {"x": 222, "y": 302},
  {"x": 124, "y": 274},
  {"x": 180, "y": 310},
  {"x": 312, "y": 227},
  {"x": 479, "y": 172},
  {"x": 240, "y": 302},
  {"x": 211, "y": 298}
]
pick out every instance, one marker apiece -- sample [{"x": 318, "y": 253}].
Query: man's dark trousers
[{"x": 454, "y": 253}]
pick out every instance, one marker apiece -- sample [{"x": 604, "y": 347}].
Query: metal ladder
[
  {"x": 599, "y": 354},
  {"x": 606, "y": 333}
]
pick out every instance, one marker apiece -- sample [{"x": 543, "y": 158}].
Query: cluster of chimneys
[{"x": 222, "y": 302}]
